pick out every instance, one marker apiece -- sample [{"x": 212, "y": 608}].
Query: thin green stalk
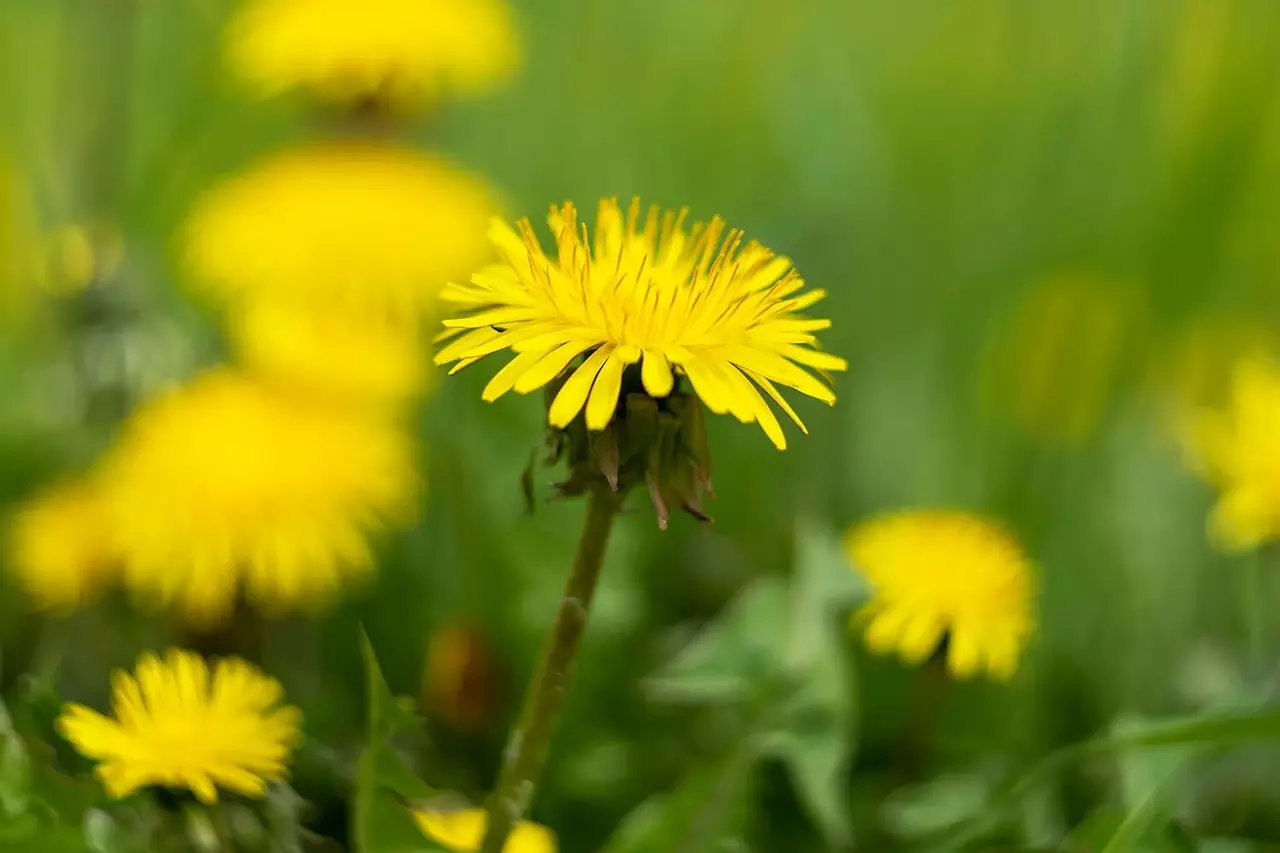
[
  {"x": 527, "y": 748},
  {"x": 1252, "y": 602}
]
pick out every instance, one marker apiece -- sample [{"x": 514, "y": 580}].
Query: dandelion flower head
[
  {"x": 945, "y": 575},
  {"x": 349, "y": 359},
  {"x": 352, "y": 226},
  {"x": 401, "y": 51},
  {"x": 1237, "y": 448},
  {"x": 228, "y": 483},
  {"x": 178, "y": 725},
  {"x": 463, "y": 830},
  {"x": 680, "y": 301},
  {"x": 60, "y": 546}
]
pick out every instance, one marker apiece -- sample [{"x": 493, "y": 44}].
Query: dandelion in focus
[
  {"x": 945, "y": 576},
  {"x": 178, "y": 725},
  {"x": 463, "y": 830},
  {"x": 1237, "y": 448},
  {"x": 676, "y": 301},
  {"x": 60, "y": 546},
  {"x": 331, "y": 355},
  {"x": 396, "y": 52},
  {"x": 349, "y": 227},
  {"x": 228, "y": 484}
]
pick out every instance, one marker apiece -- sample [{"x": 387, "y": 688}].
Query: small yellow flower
[
  {"x": 351, "y": 227},
  {"x": 60, "y": 547},
  {"x": 178, "y": 726},
  {"x": 402, "y": 51},
  {"x": 358, "y": 359},
  {"x": 228, "y": 483},
  {"x": 1237, "y": 448},
  {"x": 463, "y": 830},
  {"x": 696, "y": 303},
  {"x": 945, "y": 575}
]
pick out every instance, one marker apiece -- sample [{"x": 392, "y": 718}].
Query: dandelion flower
[
  {"x": 360, "y": 359},
  {"x": 178, "y": 725},
  {"x": 1237, "y": 448},
  {"x": 348, "y": 51},
  {"x": 945, "y": 575},
  {"x": 351, "y": 226},
  {"x": 59, "y": 545},
  {"x": 228, "y": 483},
  {"x": 463, "y": 830},
  {"x": 677, "y": 301}
]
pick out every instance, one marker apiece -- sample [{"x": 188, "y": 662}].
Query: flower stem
[{"x": 529, "y": 743}]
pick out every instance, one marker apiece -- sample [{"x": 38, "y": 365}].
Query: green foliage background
[{"x": 928, "y": 163}]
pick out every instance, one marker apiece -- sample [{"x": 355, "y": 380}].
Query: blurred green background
[{"x": 1025, "y": 215}]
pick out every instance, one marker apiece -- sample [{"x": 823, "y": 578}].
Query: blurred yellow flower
[
  {"x": 228, "y": 482},
  {"x": 463, "y": 830},
  {"x": 358, "y": 359},
  {"x": 59, "y": 545},
  {"x": 349, "y": 227},
  {"x": 1195, "y": 369},
  {"x": 179, "y": 727},
  {"x": 1237, "y": 448},
  {"x": 945, "y": 575},
  {"x": 402, "y": 51},
  {"x": 695, "y": 302}
]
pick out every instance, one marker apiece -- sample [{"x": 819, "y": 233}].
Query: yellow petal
[
  {"x": 549, "y": 366},
  {"x": 573, "y": 394},
  {"x": 604, "y": 393},
  {"x": 655, "y": 372},
  {"x": 511, "y": 372}
]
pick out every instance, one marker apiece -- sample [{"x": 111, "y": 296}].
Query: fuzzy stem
[{"x": 529, "y": 743}]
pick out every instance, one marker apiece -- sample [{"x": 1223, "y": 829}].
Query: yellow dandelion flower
[
  {"x": 1237, "y": 448},
  {"x": 228, "y": 483},
  {"x": 463, "y": 830},
  {"x": 363, "y": 359},
  {"x": 179, "y": 726},
  {"x": 945, "y": 575},
  {"x": 402, "y": 51},
  {"x": 59, "y": 545},
  {"x": 695, "y": 302},
  {"x": 350, "y": 226}
]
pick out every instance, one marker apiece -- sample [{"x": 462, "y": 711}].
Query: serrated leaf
[
  {"x": 935, "y": 806},
  {"x": 704, "y": 812},
  {"x": 824, "y": 584},
  {"x": 814, "y": 737},
  {"x": 738, "y": 656},
  {"x": 387, "y": 715}
]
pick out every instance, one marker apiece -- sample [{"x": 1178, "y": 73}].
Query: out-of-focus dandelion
[
  {"x": 228, "y": 483},
  {"x": 1237, "y": 448},
  {"x": 463, "y": 830},
  {"x": 460, "y": 678},
  {"x": 375, "y": 229},
  {"x": 60, "y": 545},
  {"x": 693, "y": 302},
  {"x": 332, "y": 355},
  {"x": 178, "y": 725},
  {"x": 1064, "y": 355},
  {"x": 945, "y": 576},
  {"x": 1194, "y": 369},
  {"x": 395, "y": 52}
]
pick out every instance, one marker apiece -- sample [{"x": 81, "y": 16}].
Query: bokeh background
[{"x": 1046, "y": 229}]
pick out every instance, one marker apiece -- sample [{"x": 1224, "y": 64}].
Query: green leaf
[
  {"x": 825, "y": 584},
  {"x": 737, "y": 657},
  {"x": 814, "y": 737},
  {"x": 15, "y": 775},
  {"x": 935, "y": 806},
  {"x": 1219, "y": 727},
  {"x": 707, "y": 810},
  {"x": 387, "y": 715}
]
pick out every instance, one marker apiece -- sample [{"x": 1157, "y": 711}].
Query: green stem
[{"x": 529, "y": 743}]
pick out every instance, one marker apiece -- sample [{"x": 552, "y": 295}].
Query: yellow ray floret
[
  {"x": 404, "y": 51},
  {"x": 353, "y": 226},
  {"x": 945, "y": 574},
  {"x": 59, "y": 545},
  {"x": 691, "y": 301},
  {"x": 463, "y": 830},
  {"x": 1237, "y": 448},
  {"x": 229, "y": 484},
  {"x": 179, "y": 726}
]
